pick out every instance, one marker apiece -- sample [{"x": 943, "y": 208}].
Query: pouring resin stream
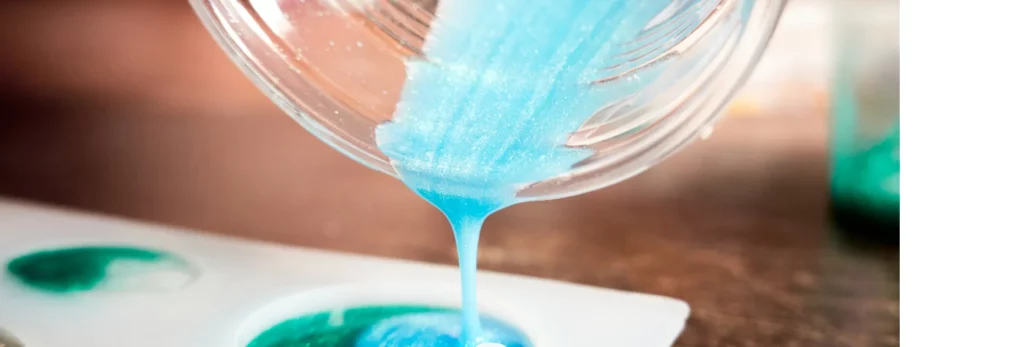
[{"x": 488, "y": 111}]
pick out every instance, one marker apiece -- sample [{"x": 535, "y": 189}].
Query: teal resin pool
[
  {"x": 383, "y": 326},
  {"x": 72, "y": 270}
]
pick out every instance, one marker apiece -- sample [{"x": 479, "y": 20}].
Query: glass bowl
[{"x": 338, "y": 68}]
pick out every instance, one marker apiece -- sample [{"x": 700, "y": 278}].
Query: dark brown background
[{"x": 127, "y": 108}]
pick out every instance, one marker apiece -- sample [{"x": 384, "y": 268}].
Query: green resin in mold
[
  {"x": 84, "y": 269},
  {"x": 333, "y": 328},
  {"x": 361, "y": 326}
]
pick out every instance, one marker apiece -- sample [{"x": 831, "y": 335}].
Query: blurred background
[{"x": 128, "y": 108}]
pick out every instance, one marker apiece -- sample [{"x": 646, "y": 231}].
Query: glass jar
[{"x": 865, "y": 136}]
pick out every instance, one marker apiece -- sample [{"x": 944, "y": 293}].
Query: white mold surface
[{"x": 247, "y": 286}]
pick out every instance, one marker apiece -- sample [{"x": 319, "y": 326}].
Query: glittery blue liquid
[{"x": 490, "y": 108}]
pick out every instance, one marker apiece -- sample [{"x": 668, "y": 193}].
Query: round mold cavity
[
  {"x": 335, "y": 300},
  {"x": 95, "y": 268}
]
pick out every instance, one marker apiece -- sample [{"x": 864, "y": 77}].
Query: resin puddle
[
  {"x": 372, "y": 326},
  {"x": 375, "y": 314},
  {"x": 73, "y": 270}
]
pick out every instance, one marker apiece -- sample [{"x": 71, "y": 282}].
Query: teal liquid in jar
[{"x": 865, "y": 136}]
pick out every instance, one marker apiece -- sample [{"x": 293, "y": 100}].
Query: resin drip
[
  {"x": 83, "y": 269},
  {"x": 489, "y": 108}
]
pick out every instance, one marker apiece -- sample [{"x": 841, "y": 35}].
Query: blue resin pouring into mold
[{"x": 488, "y": 110}]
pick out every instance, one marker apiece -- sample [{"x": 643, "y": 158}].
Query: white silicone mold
[{"x": 245, "y": 287}]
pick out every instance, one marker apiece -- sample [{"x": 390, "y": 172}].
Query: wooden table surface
[{"x": 736, "y": 225}]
